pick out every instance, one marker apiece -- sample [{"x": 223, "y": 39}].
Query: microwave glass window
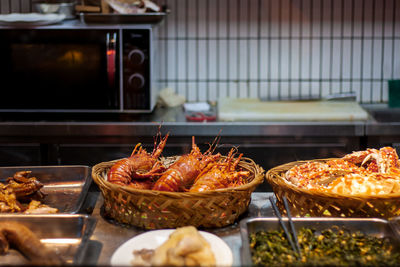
[
  {"x": 65, "y": 58},
  {"x": 57, "y": 73}
]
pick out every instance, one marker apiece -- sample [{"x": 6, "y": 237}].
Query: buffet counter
[{"x": 268, "y": 143}]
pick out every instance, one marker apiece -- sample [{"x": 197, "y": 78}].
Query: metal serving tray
[
  {"x": 375, "y": 227},
  {"x": 115, "y": 18},
  {"x": 65, "y": 187},
  {"x": 68, "y": 235}
]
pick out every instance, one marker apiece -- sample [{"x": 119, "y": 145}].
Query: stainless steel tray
[
  {"x": 65, "y": 187},
  {"x": 115, "y": 18},
  {"x": 68, "y": 235},
  {"x": 375, "y": 227}
]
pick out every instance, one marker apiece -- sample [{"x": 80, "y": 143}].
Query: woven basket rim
[
  {"x": 98, "y": 172},
  {"x": 274, "y": 176}
]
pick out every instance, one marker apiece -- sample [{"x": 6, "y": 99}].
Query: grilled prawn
[
  {"x": 221, "y": 174},
  {"x": 140, "y": 165},
  {"x": 185, "y": 170}
]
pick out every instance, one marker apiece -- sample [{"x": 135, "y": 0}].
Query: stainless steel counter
[
  {"x": 61, "y": 126},
  {"x": 54, "y": 139},
  {"x": 172, "y": 120},
  {"x": 108, "y": 236},
  {"x": 34, "y": 130},
  {"x": 386, "y": 121}
]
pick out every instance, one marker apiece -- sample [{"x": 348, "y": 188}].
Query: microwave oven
[{"x": 78, "y": 68}]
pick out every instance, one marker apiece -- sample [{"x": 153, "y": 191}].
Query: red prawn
[
  {"x": 139, "y": 166},
  {"x": 141, "y": 184},
  {"x": 222, "y": 174},
  {"x": 185, "y": 170}
]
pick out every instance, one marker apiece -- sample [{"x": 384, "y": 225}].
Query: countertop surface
[{"x": 382, "y": 121}]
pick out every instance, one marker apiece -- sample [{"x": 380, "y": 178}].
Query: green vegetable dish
[{"x": 331, "y": 247}]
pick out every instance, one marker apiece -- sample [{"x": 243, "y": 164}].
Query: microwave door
[{"x": 63, "y": 70}]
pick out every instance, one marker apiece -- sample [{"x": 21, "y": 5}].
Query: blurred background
[{"x": 274, "y": 49}]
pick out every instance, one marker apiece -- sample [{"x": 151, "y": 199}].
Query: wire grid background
[{"x": 275, "y": 49}]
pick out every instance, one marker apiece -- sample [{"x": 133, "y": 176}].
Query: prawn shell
[
  {"x": 124, "y": 170},
  {"x": 211, "y": 180},
  {"x": 181, "y": 173},
  {"x": 120, "y": 172}
]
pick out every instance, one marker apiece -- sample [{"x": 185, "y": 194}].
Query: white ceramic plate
[
  {"x": 123, "y": 256},
  {"x": 33, "y": 19}
]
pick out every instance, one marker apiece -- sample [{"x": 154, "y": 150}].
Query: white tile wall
[
  {"x": 287, "y": 48},
  {"x": 7, "y": 6},
  {"x": 276, "y": 48}
]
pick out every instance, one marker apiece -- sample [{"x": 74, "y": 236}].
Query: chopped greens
[{"x": 331, "y": 247}]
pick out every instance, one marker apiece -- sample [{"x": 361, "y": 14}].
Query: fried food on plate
[{"x": 184, "y": 247}]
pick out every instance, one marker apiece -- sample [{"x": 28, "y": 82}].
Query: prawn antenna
[
  {"x": 157, "y": 137},
  {"x": 215, "y": 142}
]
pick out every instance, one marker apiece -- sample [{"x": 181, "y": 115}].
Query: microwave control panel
[{"x": 136, "y": 63}]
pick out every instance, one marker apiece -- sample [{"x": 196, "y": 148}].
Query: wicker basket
[
  {"x": 305, "y": 202},
  {"x": 150, "y": 209}
]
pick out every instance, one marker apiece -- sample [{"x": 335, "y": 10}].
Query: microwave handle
[{"x": 111, "y": 46}]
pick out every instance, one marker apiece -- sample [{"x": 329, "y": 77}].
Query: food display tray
[
  {"x": 371, "y": 226},
  {"x": 65, "y": 187},
  {"x": 115, "y": 18},
  {"x": 68, "y": 235}
]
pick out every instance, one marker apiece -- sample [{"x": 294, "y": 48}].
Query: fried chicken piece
[
  {"x": 36, "y": 207},
  {"x": 9, "y": 202},
  {"x": 22, "y": 185},
  {"x": 23, "y": 189},
  {"x": 185, "y": 247}
]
